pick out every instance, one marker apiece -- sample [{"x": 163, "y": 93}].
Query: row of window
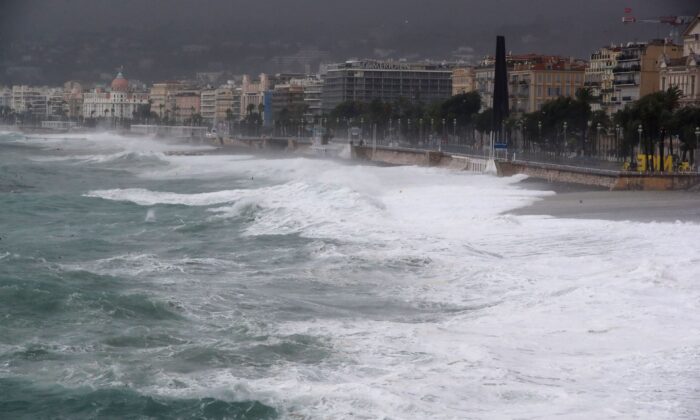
[
  {"x": 558, "y": 77},
  {"x": 685, "y": 83}
]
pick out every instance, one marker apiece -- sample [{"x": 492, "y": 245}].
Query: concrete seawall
[
  {"x": 613, "y": 180},
  {"x": 399, "y": 156}
]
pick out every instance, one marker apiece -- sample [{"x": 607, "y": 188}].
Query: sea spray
[{"x": 322, "y": 290}]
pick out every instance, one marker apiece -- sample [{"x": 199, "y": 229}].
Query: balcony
[
  {"x": 627, "y": 57},
  {"x": 625, "y": 82},
  {"x": 627, "y": 69}
]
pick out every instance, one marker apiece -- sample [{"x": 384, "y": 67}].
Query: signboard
[{"x": 500, "y": 145}]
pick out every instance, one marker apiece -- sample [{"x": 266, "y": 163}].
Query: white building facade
[{"x": 119, "y": 102}]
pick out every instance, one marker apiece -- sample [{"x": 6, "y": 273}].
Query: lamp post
[
  {"x": 566, "y": 124},
  {"x": 432, "y": 124},
  {"x": 444, "y": 133},
  {"x": 408, "y": 129},
  {"x": 598, "y": 127},
  {"x": 390, "y": 132},
  {"x": 617, "y": 140},
  {"x": 420, "y": 130},
  {"x": 697, "y": 140},
  {"x": 362, "y": 129},
  {"x": 640, "y": 130},
  {"x": 587, "y": 142},
  {"x": 454, "y": 128},
  {"x": 539, "y": 132}
]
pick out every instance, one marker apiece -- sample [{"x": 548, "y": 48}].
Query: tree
[
  {"x": 483, "y": 121},
  {"x": 654, "y": 112},
  {"x": 684, "y": 123},
  {"x": 460, "y": 109},
  {"x": 599, "y": 118},
  {"x": 197, "y": 119}
]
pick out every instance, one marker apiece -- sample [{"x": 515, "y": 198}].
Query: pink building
[{"x": 187, "y": 104}]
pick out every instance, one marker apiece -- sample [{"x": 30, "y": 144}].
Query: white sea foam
[
  {"x": 516, "y": 316},
  {"x": 552, "y": 317},
  {"x": 149, "y": 198}
]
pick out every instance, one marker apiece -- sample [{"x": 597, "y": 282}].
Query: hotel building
[{"x": 366, "y": 80}]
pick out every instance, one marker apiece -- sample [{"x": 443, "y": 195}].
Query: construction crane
[{"x": 674, "y": 21}]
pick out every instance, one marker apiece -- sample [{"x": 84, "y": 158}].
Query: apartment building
[
  {"x": 533, "y": 79},
  {"x": 388, "y": 81},
  {"x": 684, "y": 72},
  {"x": 463, "y": 80},
  {"x": 637, "y": 71},
  {"x": 600, "y": 76}
]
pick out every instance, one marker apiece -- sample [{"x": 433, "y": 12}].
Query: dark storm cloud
[{"x": 251, "y": 32}]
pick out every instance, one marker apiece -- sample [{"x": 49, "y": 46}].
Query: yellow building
[
  {"x": 637, "y": 71},
  {"x": 162, "y": 97},
  {"x": 533, "y": 80},
  {"x": 463, "y": 80}
]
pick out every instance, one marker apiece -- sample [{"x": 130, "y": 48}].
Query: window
[
  {"x": 692, "y": 86},
  {"x": 663, "y": 83}
]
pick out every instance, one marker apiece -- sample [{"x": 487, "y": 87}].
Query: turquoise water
[{"x": 137, "y": 284}]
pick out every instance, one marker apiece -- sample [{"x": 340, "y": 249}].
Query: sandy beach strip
[{"x": 580, "y": 202}]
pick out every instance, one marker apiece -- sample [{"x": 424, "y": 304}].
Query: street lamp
[
  {"x": 640, "y": 130},
  {"x": 408, "y": 129},
  {"x": 443, "y": 131},
  {"x": 598, "y": 127},
  {"x": 566, "y": 124},
  {"x": 391, "y": 136},
  {"x": 617, "y": 140},
  {"x": 539, "y": 131},
  {"x": 420, "y": 129},
  {"x": 362, "y": 129},
  {"x": 697, "y": 140},
  {"x": 454, "y": 128}
]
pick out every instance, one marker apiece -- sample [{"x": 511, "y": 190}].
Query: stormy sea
[{"x": 137, "y": 283}]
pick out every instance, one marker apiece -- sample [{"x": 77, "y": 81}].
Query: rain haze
[
  {"x": 174, "y": 38},
  {"x": 333, "y": 209}
]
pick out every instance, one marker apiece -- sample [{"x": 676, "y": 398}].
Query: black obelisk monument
[{"x": 500, "y": 92}]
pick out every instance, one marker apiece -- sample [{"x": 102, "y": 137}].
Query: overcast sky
[{"x": 439, "y": 29}]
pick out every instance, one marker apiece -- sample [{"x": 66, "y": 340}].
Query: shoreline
[{"x": 572, "y": 201}]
